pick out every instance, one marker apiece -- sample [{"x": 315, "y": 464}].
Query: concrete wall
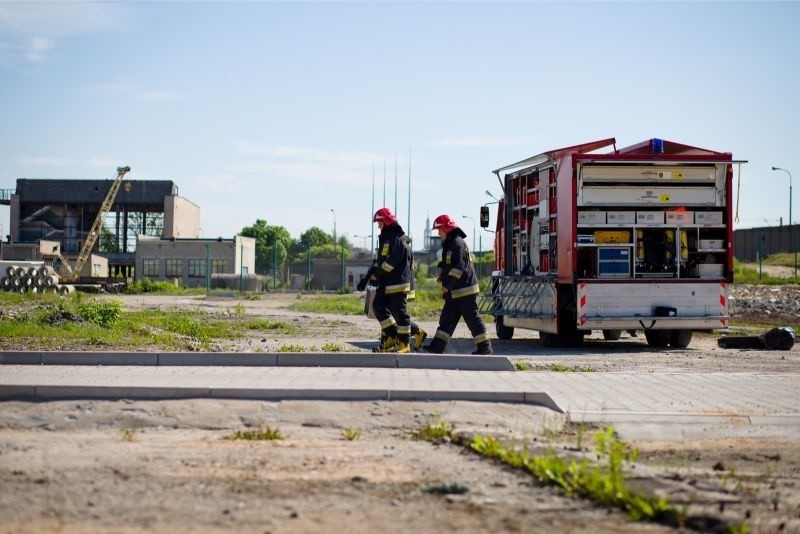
[
  {"x": 181, "y": 218},
  {"x": 20, "y": 251},
  {"x": 13, "y": 219},
  {"x": 236, "y": 253},
  {"x": 327, "y": 274}
]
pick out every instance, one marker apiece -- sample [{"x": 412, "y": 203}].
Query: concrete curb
[
  {"x": 258, "y": 359},
  {"x": 54, "y": 392}
]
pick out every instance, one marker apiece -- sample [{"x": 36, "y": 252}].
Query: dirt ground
[{"x": 124, "y": 466}]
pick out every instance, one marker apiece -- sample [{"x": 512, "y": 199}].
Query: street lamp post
[
  {"x": 364, "y": 237},
  {"x": 473, "y": 230},
  {"x": 791, "y": 241},
  {"x": 474, "y": 251},
  {"x": 334, "y": 225}
]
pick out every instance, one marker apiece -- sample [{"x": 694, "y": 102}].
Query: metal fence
[{"x": 750, "y": 244}]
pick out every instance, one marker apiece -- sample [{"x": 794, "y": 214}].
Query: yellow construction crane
[{"x": 72, "y": 273}]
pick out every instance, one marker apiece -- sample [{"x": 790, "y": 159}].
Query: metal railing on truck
[{"x": 515, "y": 295}]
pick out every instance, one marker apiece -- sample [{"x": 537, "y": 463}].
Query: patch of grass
[
  {"x": 338, "y": 304},
  {"x": 744, "y": 275},
  {"x": 427, "y": 303},
  {"x": 351, "y": 434},
  {"x": 332, "y": 347},
  {"x": 784, "y": 259},
  {"x": 522, "y": 366},
  {"x": 195, "y": 325},
  {"x": 437, "y": 432},
  {"x": 103, "y": 313},
  {"x": 19, "y": 298},
  {"x": 560, "y": 368},
  {"x": 270, "y": 326},
  {"x": 160, "y": 288},
  {"x": 291, "y": 348},
  {"x": 263, "y": 433}
]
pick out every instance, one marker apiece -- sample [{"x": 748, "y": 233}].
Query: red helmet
[
  {"x": 445, "y": 223},
  {"x": 385, "y": 216}
]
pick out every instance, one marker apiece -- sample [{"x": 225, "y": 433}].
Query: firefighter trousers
[
  {"x": 452, "y": 312},
  {"x": 391, "y": 313}
]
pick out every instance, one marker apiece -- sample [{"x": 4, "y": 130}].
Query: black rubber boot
[
  {"x": 483, "y": 349},
  {"x": 434, "y": 347}
]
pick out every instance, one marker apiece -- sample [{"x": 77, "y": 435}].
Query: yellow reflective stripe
[
  {"x": 444, "y": 336},
  {"x": 481, "y": 338},
  {"x": 398, "y": 288},
  {"x": 386, "y": 323},
  {"x": 403, "y": 329},
  {"x": 456, "y": 273},
  {"x": 386, "y": 267},
  {"x": 465, "y": 291},
  {"x": 412, "y": 294}
]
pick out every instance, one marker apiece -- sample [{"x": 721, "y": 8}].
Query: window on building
[
  {"x": 150, "y": 267},
  {"x": 197, "y": 268},
  {"x": 174, "y": 267},
  {"x": 219, "y": 266}
]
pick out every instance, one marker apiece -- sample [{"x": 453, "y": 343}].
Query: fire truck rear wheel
[
  {"x": 680, "y": 339},
  {"x": 551, "y": 341},
  {"x": 503, "y": 332},
  {"x": 573, "y": 340},
  {"x": 658, "y": 338}
]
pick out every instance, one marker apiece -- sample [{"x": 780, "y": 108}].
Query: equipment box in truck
[{"x": 592, "y": 237}]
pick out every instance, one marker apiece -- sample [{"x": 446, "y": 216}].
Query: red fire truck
[{"x": 595, "y": 237}]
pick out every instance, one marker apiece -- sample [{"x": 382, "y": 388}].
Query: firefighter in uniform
[
  {"x": 459, "y": 289},
  {"x": 391, "y": 270}
]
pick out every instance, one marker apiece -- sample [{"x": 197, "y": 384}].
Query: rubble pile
[{"x": 771, "y": 303}]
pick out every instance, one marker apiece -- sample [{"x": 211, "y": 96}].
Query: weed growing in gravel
[
  {"x": 262, "y": 434},
  {"x": 291, "y": 348},
  {"x": 351, "y": 434},
  {"x": 602, "y": 482},
  {"x": 128, "y": 434},
  {"x": 560, "y": 368},
  {"x": 522, "y": 366},
  {"x": 332, "y": 347},
  {"x": 434, "y": 432}
]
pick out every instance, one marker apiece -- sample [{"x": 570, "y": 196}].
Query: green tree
[
  {"x": 268, "y": 239},
  {"x": 314, "y": 236},
  {"x": 322, "y": 245},
  {"x": 108, "y": 240}
]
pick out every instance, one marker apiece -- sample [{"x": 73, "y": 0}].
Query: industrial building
[{"x": 150, "y": 231}]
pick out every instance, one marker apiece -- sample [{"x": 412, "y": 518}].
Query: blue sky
[{"x": 279, "y": 111}]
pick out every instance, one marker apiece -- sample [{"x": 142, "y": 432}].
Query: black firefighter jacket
[
  {"x": 458, "y": 274},
  {"x": 393, "y": 264}
]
